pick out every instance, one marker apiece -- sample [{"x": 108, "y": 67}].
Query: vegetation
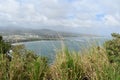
[
  {"x": 113, "y": 48},
  {"x": 4, "y": 46},
  {"x": 92, "y": 64},
  {"x": 25, "y": 65}
]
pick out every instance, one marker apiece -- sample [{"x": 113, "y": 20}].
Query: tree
[
  {"x": 113, "y": 48},
  {"x": 115, "y": 35},
  {"x": 4, "y": 46},
  {"x": 1, "y": 38}
]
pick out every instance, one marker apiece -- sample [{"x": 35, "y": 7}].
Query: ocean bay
[{"x": 49, "y": 48}]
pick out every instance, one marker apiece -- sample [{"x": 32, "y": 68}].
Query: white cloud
[
  {"x": 74, "y": 14},
  {"x": 9, "y": 6},
  {"x": 111, "y": 20}
]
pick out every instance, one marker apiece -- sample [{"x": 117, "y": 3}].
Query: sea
[{"x": 50, "y": 48}]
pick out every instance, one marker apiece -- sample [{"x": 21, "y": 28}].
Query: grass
[
  {"x": 25, "y": 66},
  {"x": 92, "y": 64}
]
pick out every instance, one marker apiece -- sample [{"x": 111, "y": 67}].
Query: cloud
[
  {"x": 112, "y": 20},
  {"x": 73, "y": 14}
]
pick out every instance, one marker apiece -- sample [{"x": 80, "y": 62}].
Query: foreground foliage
[
  {"x": 25, "y": 65},
  {"x": 92, "y": 64},
  {"x": 113, "y": 48},
  {"x": 4, "y": 46}
]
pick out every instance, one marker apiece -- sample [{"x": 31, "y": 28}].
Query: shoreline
[
  {"x": 32, "y": 40},
  {"x": 21, "y": 42}
]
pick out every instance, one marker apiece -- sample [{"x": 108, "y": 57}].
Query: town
[{"x": 14, "y": 38}]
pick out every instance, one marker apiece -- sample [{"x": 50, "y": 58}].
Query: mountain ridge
[{"x": 40, "y": 32}]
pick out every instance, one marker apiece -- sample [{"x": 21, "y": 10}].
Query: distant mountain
[{"x": 41, "y": 32}]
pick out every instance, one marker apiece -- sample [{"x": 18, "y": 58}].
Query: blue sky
[{"x": 83, "y": 16}]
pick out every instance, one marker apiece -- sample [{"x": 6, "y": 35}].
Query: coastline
[{"x": 32, "y": 40}]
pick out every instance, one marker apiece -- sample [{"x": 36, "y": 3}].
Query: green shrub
[
  {"x": 4, "y": 46},
  {"x": 1, "y": 38},
  {"x": 113, "y": 48}
]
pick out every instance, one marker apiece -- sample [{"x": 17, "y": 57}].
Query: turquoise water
[{"x": 49, "y": 48}]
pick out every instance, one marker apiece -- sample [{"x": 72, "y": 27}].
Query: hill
[{"x": 39, "y": 32}]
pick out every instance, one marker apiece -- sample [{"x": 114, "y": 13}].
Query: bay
[{"x": 49, "y": 48}]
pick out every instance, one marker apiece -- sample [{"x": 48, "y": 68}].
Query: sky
[{"x": 82, "y": 16}]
